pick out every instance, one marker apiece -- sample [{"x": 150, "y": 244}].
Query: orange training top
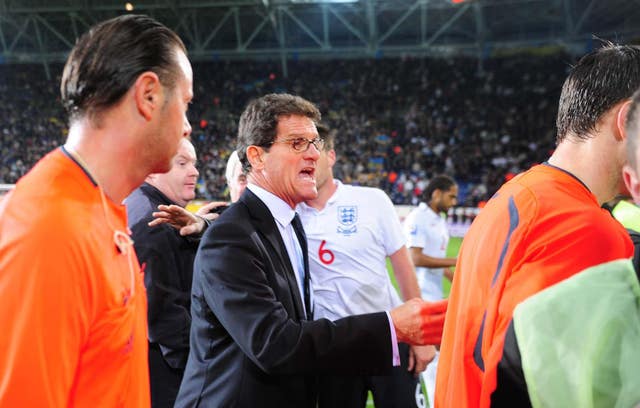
[
  {"x": 540, "y": 228},
  {"x": 72, "y": 306}
]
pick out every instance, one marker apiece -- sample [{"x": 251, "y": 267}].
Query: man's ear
[
  {"x": 632, "y": 182},
  {"x": 147, "y": 93},
  {"x": 621, "y": 120},
  {"x": 435, "y": 195},
  {"x": 331, "y": 155},
  {"x": 255, "y": 155}
]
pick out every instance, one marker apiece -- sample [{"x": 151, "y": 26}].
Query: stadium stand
[{"x": 400, "y": 120}]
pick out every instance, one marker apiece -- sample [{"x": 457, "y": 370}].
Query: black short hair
[
  {"x": 595, "y": 84},
  {"x": 440, "y": 182},
  {"x": 632, "y": 128},
  {"x": 107, "y": 60},
  {"x": 259, "y": 121}
]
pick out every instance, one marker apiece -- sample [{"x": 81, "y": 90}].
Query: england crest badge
[{"x": 347, "y": 219}]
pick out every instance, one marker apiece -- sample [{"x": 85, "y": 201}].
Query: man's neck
[
  {"x": 111, "y": 170},
  {"x": 325, "y": 192},
  {"x": 590, "y": 163}
]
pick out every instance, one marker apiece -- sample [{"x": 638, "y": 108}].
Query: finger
[
  {"x": 435, "y": 307},
  {"x": 155, "y": 222},
  {"x": 209, "y": 207},
  {"x": 164, "y": 207},
  {"x": 210, "y": 216},
  {"x": 188, "y": 230}
]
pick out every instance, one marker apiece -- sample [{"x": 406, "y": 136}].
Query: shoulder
[
  {"x": 368, "y": 195},
  {"x": 236, "y": 220},
  {"x": 139, "y": 207}
]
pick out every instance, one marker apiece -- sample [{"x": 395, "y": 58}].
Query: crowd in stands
[{"x": 399, "y": 121}]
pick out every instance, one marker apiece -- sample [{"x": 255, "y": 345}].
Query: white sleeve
[
  {"x": 392, "y": 236},
  {"x": 415, "y": 230}
]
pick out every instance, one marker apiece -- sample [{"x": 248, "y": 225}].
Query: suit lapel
[{"x": 266, "y": 226}]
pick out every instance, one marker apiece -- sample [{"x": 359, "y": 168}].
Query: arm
[
  {"x": 420, "y": 259},
  {"x": 183, "y": 220},
  {"x": 254, "y": 310},
  {"x": 405, "y": 273}
]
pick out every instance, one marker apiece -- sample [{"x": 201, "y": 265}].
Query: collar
[
  {"x": 155, "y": 193},
  {"x": 74, "y": 159},
  {"x": 334, "y": 197},
  {"x": 339, "y": 187},
  {"x": 280, "y": 210},
  {"x": 546, "y": 163}
]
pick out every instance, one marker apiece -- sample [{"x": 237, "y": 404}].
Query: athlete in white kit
[
  {"x": 350, "y": 232},
  {"x": 427, "y": 238}
]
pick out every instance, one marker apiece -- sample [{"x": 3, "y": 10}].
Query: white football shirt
[
  {"x": 427, "y": 230},
  {"x": 349, "y": 241}
]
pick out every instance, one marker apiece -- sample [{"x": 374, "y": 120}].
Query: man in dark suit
[{"x": 253, "y": 340}]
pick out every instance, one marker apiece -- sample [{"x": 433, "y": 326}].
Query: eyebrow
[{"x": 183, "y": 157}]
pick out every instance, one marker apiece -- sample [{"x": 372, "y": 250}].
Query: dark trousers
[
  {"x": 398, "y": 390},
  {"x": 165, "y": 380}
]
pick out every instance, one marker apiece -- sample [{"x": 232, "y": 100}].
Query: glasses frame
[{"x": 318, "y": 142}]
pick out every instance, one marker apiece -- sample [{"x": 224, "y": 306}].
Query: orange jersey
[
  {"x": 540, "y": 228},
  {"x": 72, "y": 306}
]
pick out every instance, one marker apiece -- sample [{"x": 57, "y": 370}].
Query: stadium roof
[{"x": 45, "y": 30}]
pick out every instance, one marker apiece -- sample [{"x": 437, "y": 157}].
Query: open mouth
[{"x": 309, "y": 173}]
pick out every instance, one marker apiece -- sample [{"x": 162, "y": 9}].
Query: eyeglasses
[{"x": 300, "y": 144}]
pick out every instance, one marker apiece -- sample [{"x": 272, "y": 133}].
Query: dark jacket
[
  {"x": 251, "y": 344},
  {"x": 167, "y": 260}
]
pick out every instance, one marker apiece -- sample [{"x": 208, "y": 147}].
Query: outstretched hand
[
  {"x": 183, "y": 220},
  {"x": 419, "y": 322}
]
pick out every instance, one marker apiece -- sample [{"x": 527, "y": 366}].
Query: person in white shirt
[
  {"x": 350, "y": 232},
  {"x": 427, "y": 238}
]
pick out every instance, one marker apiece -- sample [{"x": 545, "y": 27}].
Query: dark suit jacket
[{"x": 250, "y": 343}]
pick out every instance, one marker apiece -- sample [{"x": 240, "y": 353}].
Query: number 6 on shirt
[{"x": 326, "y": 256}]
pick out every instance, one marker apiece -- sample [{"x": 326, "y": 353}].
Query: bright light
[{"x": 128, "y": 6}]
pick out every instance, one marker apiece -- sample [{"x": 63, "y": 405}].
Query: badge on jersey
[
  {"x": 413, "y": 229},
  {"x": 347, "y": 218}
]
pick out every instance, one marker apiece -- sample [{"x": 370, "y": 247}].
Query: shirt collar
[
  {"x": 304, "y": 207},
  {"x": 335, "y": 194},
  {"x": 280, "y": 210}
]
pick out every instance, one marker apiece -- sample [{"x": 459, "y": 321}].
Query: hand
[
  {"x": 419, "y": 322},
  {"x": 420, "y": 357},
  {"x": 206, "y": 210},
  {"x": 179, "y": 218}
]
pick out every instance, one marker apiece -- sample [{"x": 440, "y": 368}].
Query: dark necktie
[{"x": 302, "y": 239}]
